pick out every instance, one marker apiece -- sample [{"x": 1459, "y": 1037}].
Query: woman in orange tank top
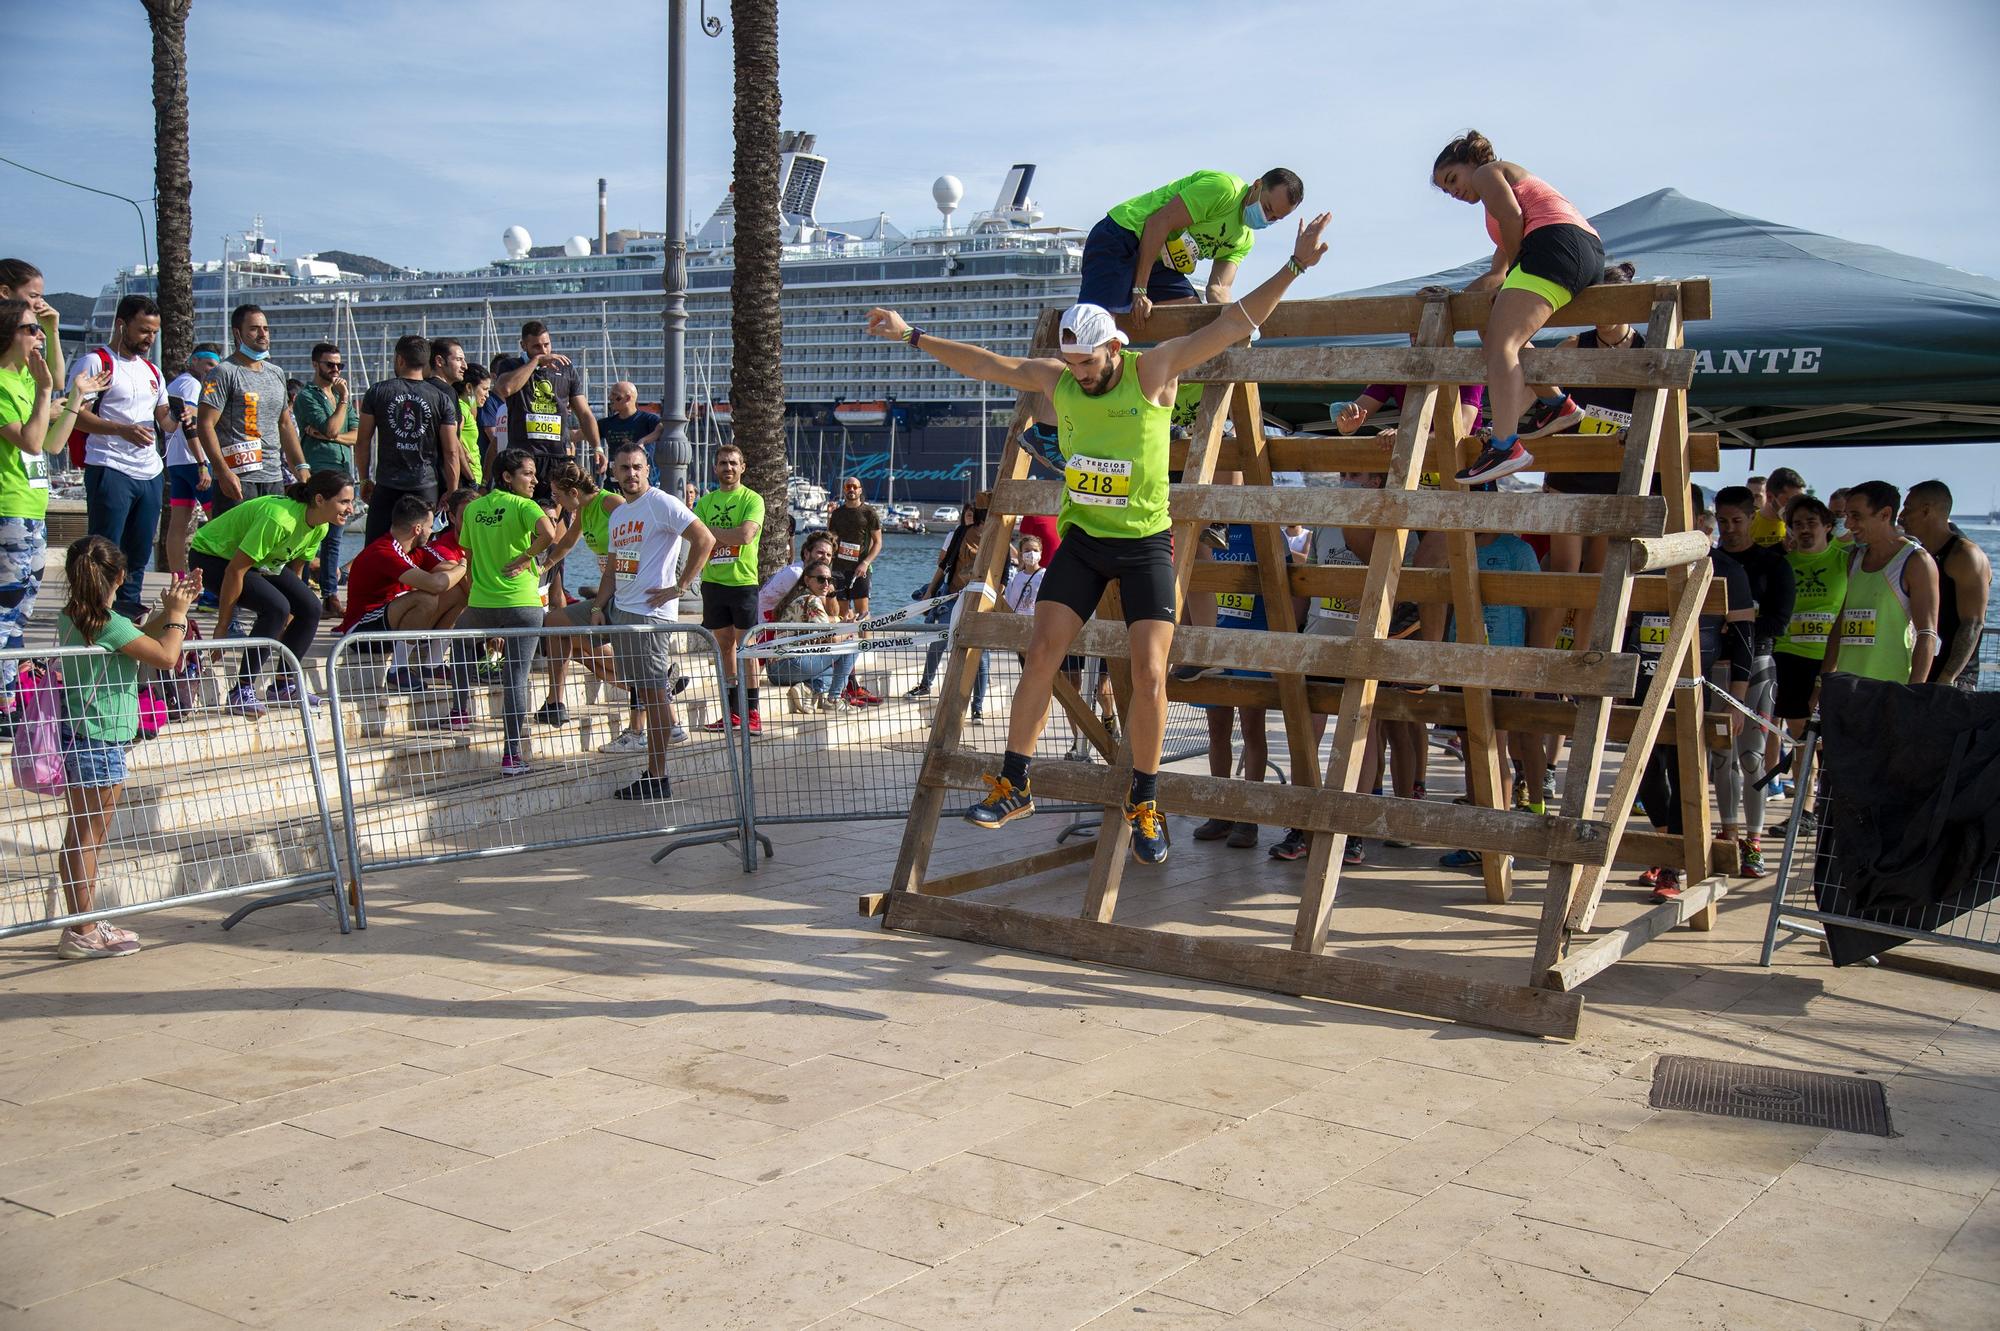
[{"x": 1544, "y": 253}]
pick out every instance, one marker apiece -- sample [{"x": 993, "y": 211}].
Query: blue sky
[{"x": 417, "y": 131}]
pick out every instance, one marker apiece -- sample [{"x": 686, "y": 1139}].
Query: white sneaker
[
  {"x": 676, "y": 734},
  {"x": 628, "y": 741}
]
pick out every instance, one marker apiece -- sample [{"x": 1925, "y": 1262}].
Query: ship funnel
[{"x": 603, "y": 217}]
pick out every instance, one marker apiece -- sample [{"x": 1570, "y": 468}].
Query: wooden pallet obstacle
[{"x": 1657, "y": 565}]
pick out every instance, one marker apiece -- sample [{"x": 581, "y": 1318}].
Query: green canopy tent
[{"x": 1816, "y": 341}]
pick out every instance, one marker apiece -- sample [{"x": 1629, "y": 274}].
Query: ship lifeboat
[{"x": 861, "y": 413}]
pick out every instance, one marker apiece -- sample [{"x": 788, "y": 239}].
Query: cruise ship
[{"x": 912, "y": 430}]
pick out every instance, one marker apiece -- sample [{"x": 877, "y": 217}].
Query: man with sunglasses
[
  {"x": 857, "y": 535},
  {"x": 1113, "y": 407},
  {"x": 328, "y": 417}
]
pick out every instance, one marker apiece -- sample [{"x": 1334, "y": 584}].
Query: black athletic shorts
[
  {"x": 728, "y": 607},
  {"x": 1143, "y": 568},
  {"x": 848, "y": 587},
  {"x": 1562, "y": 253},
  {"x": 1796, "y": 677},
  {"x": 1582, "y": 482}
]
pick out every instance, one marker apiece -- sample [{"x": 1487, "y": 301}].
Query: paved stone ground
[{"x": 578, "y": 1091}]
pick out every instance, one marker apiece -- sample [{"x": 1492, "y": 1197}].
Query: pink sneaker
[
  {"x": 93, "y": 945},
  {"x": 458, "y": 720}
]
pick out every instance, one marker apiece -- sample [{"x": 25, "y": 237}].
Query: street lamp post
[{"x": 673, "y": 455}]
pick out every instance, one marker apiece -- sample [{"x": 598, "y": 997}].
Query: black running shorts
[
  {"x": 1796, "y": 677},
  {"x": 1564, "y": 254},
  {"x": 1143, "y": 568},
  {"x": 728, "y": 607}
]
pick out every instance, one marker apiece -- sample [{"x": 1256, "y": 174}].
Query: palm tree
[
  {"x": 757, "y": 376},
  {"x": 174, "y": 223}
]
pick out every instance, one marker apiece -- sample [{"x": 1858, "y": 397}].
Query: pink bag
[{"x": 38, "y": 758}]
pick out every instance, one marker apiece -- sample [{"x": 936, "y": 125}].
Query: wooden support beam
[
  {"x": 1460, "y": 664},
  {"x": 1622, "y": 942},
  {"x": 1350, "y": 316},
  {"x": 1450, "y": 366},
  {"x": 1347, "y": 812},
  {"x": 1369, "y": 453},
  {"x": 1423, "y": 510},
  {"x": 1650, "y": 554},
  {"x": 1282, "y": 970},
  {"x": 1010, "y": 871},
  {"x": 1557, "y": 591},
  {"x": 1650, "y": 848}
]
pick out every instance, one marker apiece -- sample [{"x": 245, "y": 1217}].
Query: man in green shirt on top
[
  {"x": 734, "y": 514},
  {"x": 327, "y": 416}
]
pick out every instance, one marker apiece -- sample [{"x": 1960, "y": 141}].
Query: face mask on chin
[{"x": 244, "y": 350}]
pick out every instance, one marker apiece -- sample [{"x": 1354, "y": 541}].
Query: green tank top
[
  {"x": 1115, "y": 458},
  {"x": 596, "y": 523},
  {"x": 1821, "y": 580},
  {"x": 1876, "y": 635},
  {"x": 468, "y": 435}
]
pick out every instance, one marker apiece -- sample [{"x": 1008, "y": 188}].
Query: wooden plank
[
  {"x": 1683, "y": 627},
  {"x": 1460, "y": 664},
  {"x": 1370, "y": 453},
  {"x": 920, "y": 829},
  {"x": 1692, "y": 733},
  {"x": 1457, "y": 998},
  {"x": 1607, "y": 629},
  {"x": 1569, "y": 366},
  {"x": 1644, "y": 847},
  {"x": 972, "y": 880},
  {"x": 1423, "y": 510},
  {"x": 1559, "y": 591},
  {"x": 872, "y": 904},
  {"x": 1349, "y": 316},
  {"x": 1622, "y": 942},
  {"x": 1539, "y": 715},
  {"x": 1650, "y": 554}
]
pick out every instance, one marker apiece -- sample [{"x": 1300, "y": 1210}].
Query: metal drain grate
[{"x": 1772, "y": 1095}]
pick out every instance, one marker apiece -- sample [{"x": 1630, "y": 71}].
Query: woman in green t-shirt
[
  {"x": 587, "y": 511},
  {"x": 255, "y": 556},
  {"x": 472, "y": 393},
  {"x": 503, "y": 534},
  {"x": 100, "y": 717}
]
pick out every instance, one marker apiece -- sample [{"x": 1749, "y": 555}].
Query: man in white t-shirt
[
  {"x": 647, "y": 532},
  {"x": 188, "y": 481},
  {"x": 122, "y": 484}
]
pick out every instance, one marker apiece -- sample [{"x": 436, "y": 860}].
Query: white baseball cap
[{"x": 1087, "y": 327}]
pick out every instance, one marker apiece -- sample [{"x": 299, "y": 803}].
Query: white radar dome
[
  {"x": 576, "y": 246},
  {"x": 946, "y": 191},
  {"x": 516, "y": 241}
]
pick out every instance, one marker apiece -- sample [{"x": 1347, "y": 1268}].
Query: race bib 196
[
  {"x": 1811, "y": 627},
  {"x": 1103, "y": 481}
]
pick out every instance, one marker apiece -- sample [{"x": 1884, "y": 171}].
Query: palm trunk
[
  {"x": 174, "y": 221},
  {"x": 757, "y": 377}
]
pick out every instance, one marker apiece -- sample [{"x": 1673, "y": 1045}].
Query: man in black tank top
[
  {"x": 1965, "y": 578},
  {"x": 1605, "y": 410}
]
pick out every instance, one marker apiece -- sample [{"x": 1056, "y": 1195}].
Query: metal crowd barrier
[
  {"x": 215, "y": 804},
  {"x": 421, "y": 733},
  {"x": 1812, "y": 891}
]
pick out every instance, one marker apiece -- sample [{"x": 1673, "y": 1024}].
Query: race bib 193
[
  {"x": 1103, "y": 481},
  {"x": 1235, "y": 605}
]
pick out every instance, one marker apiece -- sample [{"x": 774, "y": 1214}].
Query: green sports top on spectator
[
  {"x": 272, "y": 531},
  {"x": 731, "y": 565},
  {"x": 496, "y": 530},
  {"x": 1215, "y": 204},
  {"x": 595, "y": 519},
  {"x": 101, "y": 693},
  {"x": 468, "y": 436},
  {"x": 312, "y": 409},
  {"x": 24, "y": 478}
]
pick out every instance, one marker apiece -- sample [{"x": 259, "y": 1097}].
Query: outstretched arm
[
  {"x": 1166, "y": 362},
  {"x": 1032, "y": 376}
]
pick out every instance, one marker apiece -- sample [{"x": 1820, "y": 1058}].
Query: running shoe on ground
[
  {"x": 1355, "y": 853},
  {"x": 1808, "y": 824},
  {"x": 1549, "y": 786},
  {"x": 1668, "y": 888},
  {"x": 1149, "y": 832},
  {"x": 756, "y": 722},
  {"x": 514, "y": 765},
  {"x": 458, "y": 719},
  {"x": 1492, "y": 463},
  {"x": 860, "y": 696},
  {"x": 1651, "y": 878},
  {"x": 1213, "y": 829},
  {"x": 1397, "y": 843},
  {"x": 288, "y": 692},
  {"x": 1750, "y": 853},
  {"x": 208, "y": 600},
  {"x": 718, "y": 725},
  {"x": 1079, "y": 751},
  {"x": 1002, "y": 805},
  {"x": 921, "y": 691},
  {"x": 331, "y": 605},
  {"x": 552, "y": 713},
  {"x": 978, "y": 717},
  {"x": 243, "y": 701},
  {"x": 1520, "y": 792},
  {"x": 628, "y": 741},
  {"x": 1188, "y": 674},
  {"x": 1419, "y": 792},
  {"x": 1243, "y": 836},
  {"x": 677, "y": 733},
  {"x": 78, "y": 945},
  {"x": 1460, "y": 859},
  {"x": 646, "y": 788},
  {"x": 403, "y": 679},
  {"x": 1550, "y": 417},
  {"x": 1292, "y": 846}
]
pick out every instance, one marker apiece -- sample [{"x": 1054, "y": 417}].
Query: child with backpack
[{"x": 100, "y": 716}]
